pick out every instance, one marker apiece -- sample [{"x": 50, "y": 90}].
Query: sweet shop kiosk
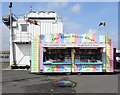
[{"x": 71, "y": 53}]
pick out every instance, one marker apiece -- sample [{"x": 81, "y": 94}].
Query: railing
[{"x": 22, "y": 37}]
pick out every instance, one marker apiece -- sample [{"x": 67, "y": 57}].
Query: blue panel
[
  {"x": 61, "y": 37},
  {"x": 97, "y": 38},
  {"x": 61, "y": 68},
  {"x": 43, "y": 38},
  {"x": 79, "y": 38},
  {"x": 97, "y": 68},
  {"x": 80, "y": 68},
  {"x": 50, "y": 63}
]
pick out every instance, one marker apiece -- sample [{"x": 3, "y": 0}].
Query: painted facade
[{"x": 82, "y": 53}]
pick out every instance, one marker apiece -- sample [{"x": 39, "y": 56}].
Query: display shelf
[
  {"x": 88, "y": 63},
  {"x": 52, "y": 63}
]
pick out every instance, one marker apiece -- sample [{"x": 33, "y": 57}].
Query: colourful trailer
[{"x": 70, "y": 53}]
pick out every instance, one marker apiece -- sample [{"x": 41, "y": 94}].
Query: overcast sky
[{"x": 78, "y": 17}]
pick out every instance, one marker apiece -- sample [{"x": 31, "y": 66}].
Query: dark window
[
  {"x": 24, "y": 27},
  {"x": 117, "y": 54}
]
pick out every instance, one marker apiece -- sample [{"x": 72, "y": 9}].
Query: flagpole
[
  {"x": 105, "y": 28},
  {"x": 102, "y": 30},
  {"x": 12, "y": 58}
]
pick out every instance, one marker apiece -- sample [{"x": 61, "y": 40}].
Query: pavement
[
  {"x": 5, "y": 65},
  {"x": 22, "y": 81}
]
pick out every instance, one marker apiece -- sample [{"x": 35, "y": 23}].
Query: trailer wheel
[
  {"x": 40, "y": 73},
  {"x": 68, "y": 73},
  {"x": 79, "y": 73},
  {"x": 27, "y": 67}
]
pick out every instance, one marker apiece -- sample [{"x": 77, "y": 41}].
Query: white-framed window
[{"x": 24, "y": 27}]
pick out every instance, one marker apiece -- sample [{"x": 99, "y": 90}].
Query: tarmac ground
[{"x": 22, "y": 81}]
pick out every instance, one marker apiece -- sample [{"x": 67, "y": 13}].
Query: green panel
[
  {"x": 32, "y": 57},
  {"x": 104, "y": 59}
]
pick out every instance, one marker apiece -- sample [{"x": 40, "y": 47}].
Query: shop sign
[
  {"x": 73, "y": 44},
  {"x": 72, "y": 36},
  {"x": 57, "y": 45},
  {"x": 90, "y": 45}
]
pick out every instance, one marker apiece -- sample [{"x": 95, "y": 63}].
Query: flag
[
  {"x": 102, "y": 23},
  {"x": 32, "y": 21},
  {"x": 27, "y": 20}
]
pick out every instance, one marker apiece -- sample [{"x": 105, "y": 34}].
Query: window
[
  {"x": 117, "y": 54},
  {"x": 24, "y": 27},
  {"x": 55, "y": 55},
  {"x": 88, "y": 55}
]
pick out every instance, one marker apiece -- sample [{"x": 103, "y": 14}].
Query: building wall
[
  {"x": 22, "y": 54},
  {"x": 22, "y": 51},
  {"x": 44, "y": 27}
]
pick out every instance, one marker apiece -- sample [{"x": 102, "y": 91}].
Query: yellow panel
[
  {"x": 107, "y": 65},
  {"x": 108, "y": 70},
  {"x": 72, "y": 60},
  {"x": 35, "y": 64},
  {"x": 54, "y": 37},
  {"x": 35, "y": 69},
  {"x": 72, "y": 38},
  {"x": 90, "y": 36},
  {"x": 54, "y": 68}
]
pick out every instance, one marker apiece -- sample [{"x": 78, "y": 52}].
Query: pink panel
[
  {"x": 76, "y": 68},
  {"x": 76, "y": 38},
  {"x": 94, "y": 37},
  {"x": 111, "y": 58},
  {"x": 58, "y": 36},
  {"x": 57, "y": 67},
  {"x": 94, "y": 68},
  {"x": 41, "y": 56},
  {"x": 111, "y": 69}
]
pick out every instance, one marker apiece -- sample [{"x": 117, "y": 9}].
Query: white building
[{"x": 26, "y": 28}]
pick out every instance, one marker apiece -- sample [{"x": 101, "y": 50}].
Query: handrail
[{"x": 21, "y": 36}]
